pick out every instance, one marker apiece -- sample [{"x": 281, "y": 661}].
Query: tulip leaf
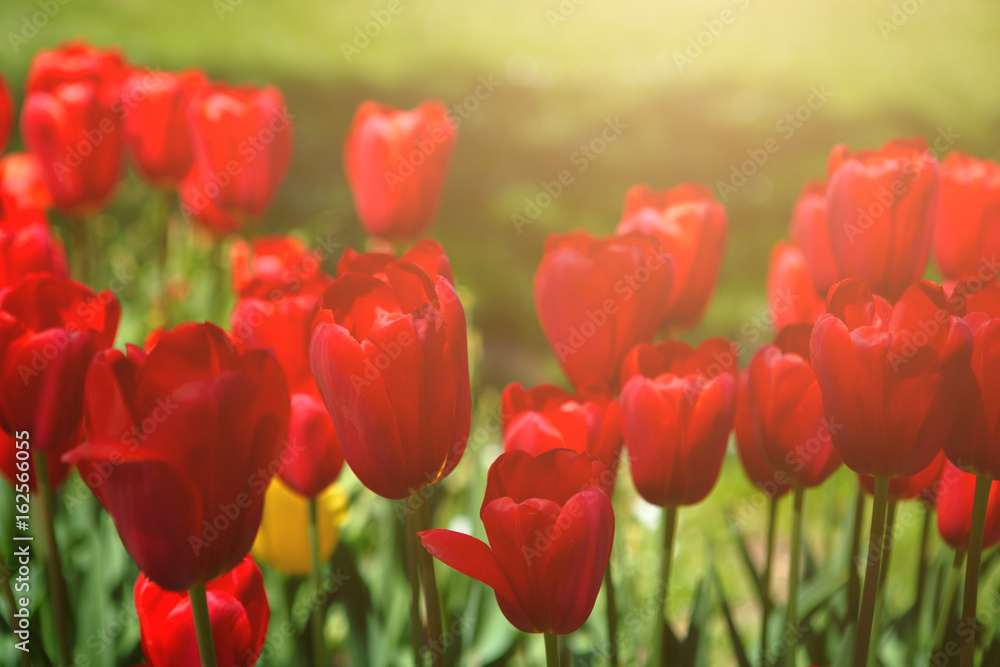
[
  {"x": 734, "y": 634},
  {"x": 747, "y": 559}
]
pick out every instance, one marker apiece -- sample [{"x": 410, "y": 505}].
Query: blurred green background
[{"x": 697, "y": 85}]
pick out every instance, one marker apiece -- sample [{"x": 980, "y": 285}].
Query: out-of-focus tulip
[
  {"x": 923, "y": 486},
  {"x": 242, "y": 139},
  {"x": 967, "y": 228},
  {"x": 283, "y": 539},
  {"x": 880, "y": 212},
  {"x": 790, "y": 293},
  {"x": 71, "y": 120},
  {"x": 427, "y": 254},
  {"x": 194, "y": 432},
  {"x": 808, "y": 231},
  {"x": 29, "y": 248},
  {"x": 276, "y": 266},
  {"x": 197, "y": 206},
  {"x": 678, "y": 406},
  {"x": 50, "y": 329},
  {"x": 237, "y": 609},
  {"x": 6, "y": 112},
  {"x": 791, "y": 429},
  {"x": 16, "y": 470},
  {"x": 890, "y": 375},
  {"x": 281, "y": 326},
  {"x": 396, "y": 163},
  {"x": 772, "y": 482},
  {"x": 548, "y": 417},
  {"x": 313, "y": 459},
  {"x": 691, "y": 225},
  {"x": 156, "y": 125},
  {"x": 22, "y": 188},
  {"x": 954, "y": 509},
  {"x": 597, "y": 297},
  {"x": 390, "y": 359},
  {"x": 550, "y": 527}
]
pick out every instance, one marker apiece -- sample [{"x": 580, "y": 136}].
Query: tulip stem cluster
[
  {"x": 883, "y": 575},
  {"x": 315, "y": 575},
  {"x": 413, "y": 550},
  {"x": 869, "y": 594},
  {"x": 551, "y": 650},
  {"x": 432, "y": 603},
  {"x": 918, "y": 604},
  {"x": 202, "y": 625},
  {"x": 60, "y": 600},
  {"x": 660, "y": 624},
  {"x": 765, "y": 587},
  {"x": 853, "y": 579},
  {"x": 950, "y": 588},
  {"x": 794, "y": 565},
  {"x": 969, "y": 601},
  {"x": 609, "y": 593}
]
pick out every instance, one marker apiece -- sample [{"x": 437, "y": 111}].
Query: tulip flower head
[
  {"x": 769, "y": 480},
  {"x": 954, "y": 509},
  {"x": 808, "y": 232},
  {"x": 967, "y": 227},
  {"x": 791, "y": 296}
]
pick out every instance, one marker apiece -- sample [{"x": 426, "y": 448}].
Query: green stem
[
  {"x": 161, "y": 223},
  {"x": 202, "y": 625},
  {"x": 551, "y": 650},
  {"x": 221, "y": 295},
  {"x": 609, "y": 593},
  {"x": 565, "y": 659},
  {"x": 772, "y": 522},
  {"x": 870, "y": 593},
  {"x": 81, "y": 254},
  {"x": 315, "y": 575},
  {"x": 660, "y": 624},
  {"x": 950, "y": 588},
  {"x": 853, "y": 578},
  {"x": 883, "y": 573},
  {"x": 969, "y": 600},
  {"x": 432, "y": 603},
  {"x": 794, "y": 566},
  {"x": 413, "y": 574},
  {"x": 918, "y": 605},
  {"x": 60, "y": 599}
]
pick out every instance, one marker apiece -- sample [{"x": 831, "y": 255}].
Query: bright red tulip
[
  {"x": 548, "y": 417},
  {"x": 29, "y": 248},
  {"x": 809, "y": 233},
  {"x": 790, "y": 293},
  {"x": 156, "y": 123},
  {"x": 954, "y": 509},
  {"x": 972, "y": 295},
  {"x": 198, "y": 207},
  {"x": 772, "y": 482},
  {"x": 237, "y": 609},
  {"x": 275, "y": 266},
  {"x": 390, "y": 360},
  {"x": 550, "y": 527},
  {"x": 188, "y": 437},
  {"x": 242, "y": 139},
  {"x": 890, "y": 376},
  {"x": 71, "y": 121},
  {"x": 967, "y": 229},
  {"x": 50, "y": 329},
  {"x": 691, "y": 225},
  {"x": 16, "y": 471},
  {"x": 597, "y": 297},
  {"x": 880, "y": 211},
  {"x": 678, "y": 406},
  {"x": 22, "y": 187},
  {"x": 6, "y": 112},
  {"x": 313, "y": 458},
  {"x": 923, "y": 486},
  {"x": 396, "y": 163},
  {"x": 427, "y": 254}
]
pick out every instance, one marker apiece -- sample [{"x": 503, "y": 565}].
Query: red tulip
[
  {"x": 274, "y": 267},
  {"x": 156, "y": 123},
  {"x": 691, "y": 225},
  {"x": 547, "y": 417},
  {"x": 597, "y": 297},
  {"x": 954, "y": 509},
  {"x": 890, "y": 376},
  {"x": 678, "y": 406},
  {"x": 550, "y": 527},
  {"x": 880, "y": 211},
  {"x": 29, "y": 248},
  {"x": 790, "y": 427},
  {"x": 790, "y": 293},
  {"x": 242, "y": 139},
  {"x": 6, "y": 112},
  {"x": 809, "y": 232},
  {"x": 427, "y": 254},
  {"x": 188, "y": 437},
  {"x": 772, "y": 482},
  {"x": 972, "y": 295},
  {"x": 71, "y": 121},
  {"x": 313, "y": 458},
  {"x": 16, "y": 470},
  {"x": 198, "y": 207},
  {"x": 923, "y": 486},
  {"x": 22, "y": 187},
  {"x": 237, "y": 609},
  {"x": 396, "y": 163},
  {"x": 390, "y": 360},
  {"x": 50, "y": 329},
  {"x": 967, "y": 230}
]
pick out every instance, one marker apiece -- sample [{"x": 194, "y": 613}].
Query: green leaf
[{"x": 734, "y": 634}]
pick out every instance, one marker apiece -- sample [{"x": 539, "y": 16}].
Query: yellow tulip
[{"x": 283, "y": 539}]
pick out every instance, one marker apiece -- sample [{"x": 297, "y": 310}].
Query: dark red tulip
[
  {"x": 923, "y": 486},
  {"x": 50, "y": 329},
  {"x": 237, "y": 609},
  {"x": 313, "y": 458},
  {"x": 791, "y": 429},
  {"x": 276, "y": 266},
  {"x": 772, "y": 482},
  {"x": 6, "y": 112},
  {"x": 954, "y": 509},
  {"x": 181, "y": 445},
  {"x": 396, "y": 162},
  {"x": 242, "y": 139},
  {"x": 22, "y": 187},
  {"x": 390, "y": 359},
  {"x": 196, "y": 206},
  {"x": 29, "y": 248},
  {"x": 691, "y": 226},
  {"x": 71, "y": 121},
  {"x": 548, "y": 417},
  {"x": 156, "y": 123},
  {"x": 16, "y": 470},
  {"x": 880, "y": 211},
  {"x": 597, "y": 297},
  {"x": 427, "y": 254},
  {"x": 890, "y": 376},
  {"x": 790, "y": 293},
  {"x": 282, "y": 326},
  {"x": 967, "y": 228},
  {"x": 678, "y": 406},
  {"x": 809, "y": 233},
  {"x": 972, "y": 295},
  {"x": 550, "y": 527}
]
